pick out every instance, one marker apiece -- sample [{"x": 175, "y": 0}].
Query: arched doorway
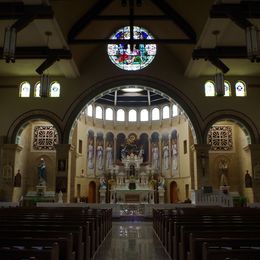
[
  {"x": 174, "y": 192},
  {"x": 92, "y": 192}
]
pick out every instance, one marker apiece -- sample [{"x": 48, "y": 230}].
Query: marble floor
[{"x": 131, "y": 241}]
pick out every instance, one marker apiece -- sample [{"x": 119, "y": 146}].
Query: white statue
[
  {"x": 109, "y": 157},
  {"x": 161, "y": 183},
  {"x": 90, "y": 154},
  {"x": 42, "y": 178},
  {"x": 103, "y": 184},
  {"x": 155, "y": 156},
  {"x": 223, "y": 169},
  {"x": 174, "y": 156},
  {"x": 100, "y": 156},
  {"x": 166, "y": 156},
  {"x": 60, "y": 197},
  {"x": 141, "y": 152}
]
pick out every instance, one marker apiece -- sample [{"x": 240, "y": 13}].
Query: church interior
[{"x": 126, "y": 108}]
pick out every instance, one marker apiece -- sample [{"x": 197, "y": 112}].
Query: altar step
[{"x": 133, "y": 218}]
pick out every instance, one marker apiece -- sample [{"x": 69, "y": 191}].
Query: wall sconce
[
  {"x": 44, "y": 85},
  {"x": 252, "y": 42},
  {"x": 9, "y": 44},
  {"x": 219, "y": 84}
]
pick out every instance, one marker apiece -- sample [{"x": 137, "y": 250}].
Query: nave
[{"x": 131, "y": 241}]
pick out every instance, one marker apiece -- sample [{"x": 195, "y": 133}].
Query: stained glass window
[
  {"x": 144, "y": 116},
  {"x": 240, "y": 89},
  {"x": 120, "y": 115},
  {"x": 155, "y": 114},
  {"x": 109, "y": 114},
  {"x": 37, "y": 89},
  {"x": 132, "y": 115},
  {"x": 54, "y": 89},
  {"x": 25, "y": 88},
  {"x": 166, "y": 112},
  {"x": 90, "y": 110},
  {"x": 134, "y": 57},
  {"x": 227, "y": 89},
  {"x": 99, "y": 112},
  {"x": 209, "y": 89}
]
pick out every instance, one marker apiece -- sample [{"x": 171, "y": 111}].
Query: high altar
[{"x": 131, "y": 182}]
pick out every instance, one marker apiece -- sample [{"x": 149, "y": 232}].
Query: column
[
  {"x": 114, "y": 151},
  {"x": 201, "y": 165},
  {"x": 255, "y": 171},
  {"x": 65, "y": 181},
  {"x": 10, "y": 165}
]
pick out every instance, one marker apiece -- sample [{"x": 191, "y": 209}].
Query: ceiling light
[
  {"x": 252, "y": 42},
  {"x": 132, "y": 89},
  {"x": 219, "y": 84},
  {"x": 9, "y": 44},
  {"x": 44, "y": 85}
]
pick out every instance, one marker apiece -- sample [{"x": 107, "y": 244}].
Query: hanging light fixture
[
  {"x": 219, "y": 76},
  {"x": 219, "y": 84},
  {"x": 252, "y": 42},
  {"x": 44, "y": 85},
  {"x": 9, "y": 44}
]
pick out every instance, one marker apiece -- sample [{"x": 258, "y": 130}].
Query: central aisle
[{"x": 131, "y": 241}]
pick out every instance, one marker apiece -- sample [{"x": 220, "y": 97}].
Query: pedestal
[
  {"x": 41, "y": 190},
  {"x": 161, "y": 196},
  {"x": 102, "y": 193}
]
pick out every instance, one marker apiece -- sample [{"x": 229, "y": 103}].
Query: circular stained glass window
[{"x": 134, "y": 57}]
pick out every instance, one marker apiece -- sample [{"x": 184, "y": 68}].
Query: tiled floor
[{"x": 131, "y": 241}]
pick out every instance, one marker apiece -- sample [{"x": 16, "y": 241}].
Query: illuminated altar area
[{"x": 132, "y": 181}]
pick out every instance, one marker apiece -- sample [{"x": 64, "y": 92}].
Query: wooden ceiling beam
[
  {"x": 17, "y": 10},
  {"x": 176, "y": 18},
  {"x": 85, "y": 20}
]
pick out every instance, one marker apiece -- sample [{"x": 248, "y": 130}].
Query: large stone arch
[
  {"x": 239, "y": 118},
  {"x": 23, "y": 120},
  {"x": 163, "y": 87}
]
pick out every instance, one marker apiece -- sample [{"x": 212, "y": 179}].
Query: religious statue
[
  {"x": 90, "y": 154},
  {"x": 248, "y": 180},
  {"x": 223, "y": 169},
  {"x": 141, "y": 152},
  {"x": 60, "y": 197},
  {"x": 42, "y": 178},
  {"x": 18, "y": 179},
  {"x": 174, "y": 155},
  {"x": 103, "y": 184},
  {"x": 165, "y": 156},
  {"x": 100, "y": 156},
  {"x": 161, "y": 183},
  {"x": 109, "y": 157},
  {"x": 155, "y": 156}
]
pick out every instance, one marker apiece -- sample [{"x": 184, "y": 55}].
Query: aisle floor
[{"x": 131, "y": 241}]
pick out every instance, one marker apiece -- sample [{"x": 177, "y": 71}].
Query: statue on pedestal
[{"x": 42, "y": 178}]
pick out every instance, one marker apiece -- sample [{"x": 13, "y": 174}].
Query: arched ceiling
[{"x": 184, "y": 27}]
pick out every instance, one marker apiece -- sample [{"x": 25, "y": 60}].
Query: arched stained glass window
[
  {"x": 90, "y": 110},
  {"x": 99, "y": 112},
  {"x": 227, "y": 89},
  {"x": 166, "y": 112},
  {"x": 109, "y": 114},
  {"x": 132, "y": 115},
  {"x": 240, "y": 89},
  {"x": 134, "y": 57},
  {"x": 120, "y": 115},
  {"x": 54, "y": 89},
  {"x": 156, "y": 114},
  {"x": 174, "y": 110},
  {"x": 209, "y": 89},
  {"x": 37, "y": 89},
  {"x": 25, "y": 88},
  {"x": 144, "y": 116}
]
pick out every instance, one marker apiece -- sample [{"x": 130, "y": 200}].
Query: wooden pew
[
  {"x": 211, "y": 252},
  {"x": 12, "y": 253}
]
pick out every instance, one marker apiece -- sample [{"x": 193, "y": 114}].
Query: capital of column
[
  {"x": 201, "y": 147},
  {"x": 64, "y": 147},
  {"x": 14, "y": 147},
  {"x": 254, "y": 147}
]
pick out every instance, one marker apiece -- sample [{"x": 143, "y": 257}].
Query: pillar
[
  {"x": 255, "y": 163},
  {"x": 9, "y": 166},
  {"x": 201, "y": 165},
  {"x": 65, "y": 180}
]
